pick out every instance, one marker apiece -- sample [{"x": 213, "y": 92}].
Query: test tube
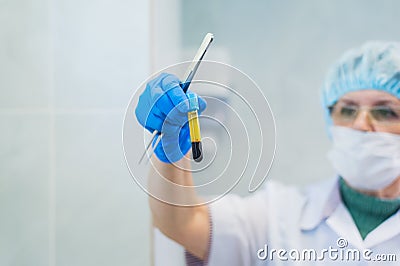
[{"x": 194, "y": 127}]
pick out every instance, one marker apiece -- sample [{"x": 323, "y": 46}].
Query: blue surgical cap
[{"x": 376, "y": 65}]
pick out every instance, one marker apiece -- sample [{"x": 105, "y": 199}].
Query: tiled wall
[{"x": 67, "y": 71}]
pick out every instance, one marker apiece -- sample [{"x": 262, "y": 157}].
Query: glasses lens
[
  {"x": 386, "y": 114},
  {"x": 344, "y": 113}
]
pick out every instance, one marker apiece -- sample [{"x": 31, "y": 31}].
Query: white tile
[
  {"x": 24, "y": 179},
  {"x": 101, "y": 50},
  {"x": 102, "y": 216},
  {"x": 25, "y": 54}
]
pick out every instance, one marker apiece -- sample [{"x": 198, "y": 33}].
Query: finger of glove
[
  {"x": 173, "y": 147},
  {"x": 154, "y": 122},
  {"x": 176, "y": 117},
  {"x": 151, "y": 122},
  {"x": 163, "y": 101},
  {"x": 157, "y": 80},
  {"x": 143, "y": 107},
  {"x": 174, "y": 122},
  {"x": 166, "y": 107},
  {"x": 202, "y": 104},
  {"x": 155, "y": 89},
  {"x": 170, "y": 84},
  {"x": 148, "y": 115}
]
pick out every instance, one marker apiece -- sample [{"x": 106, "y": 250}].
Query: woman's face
[{"x": 368, "y": 110}]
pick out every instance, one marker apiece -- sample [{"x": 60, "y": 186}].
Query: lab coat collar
[
  {"x": 342, "y": 223},
  {"x": 321, "y": 205},
  {"x": 322, "y": 200},
  {"x": 384, "y": 231}
]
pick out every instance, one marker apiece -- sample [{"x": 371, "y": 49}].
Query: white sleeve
[{"x": 239, "y": 229}]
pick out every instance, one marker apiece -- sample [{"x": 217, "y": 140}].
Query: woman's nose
[{"x": 363, "y": 121}]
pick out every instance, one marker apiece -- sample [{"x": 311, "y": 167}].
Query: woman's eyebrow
[
  {"x": 348, "y": 101},
  {"x": 375, "y": 103},
  {"x": 385, "y": 102}
]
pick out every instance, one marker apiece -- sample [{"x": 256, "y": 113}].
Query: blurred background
[{"x": 68, "y": 70}]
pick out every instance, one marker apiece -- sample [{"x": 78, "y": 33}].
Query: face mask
[{"x": 366, "y": 160}]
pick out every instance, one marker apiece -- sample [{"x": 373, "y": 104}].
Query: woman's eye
[
  {"x": 384, "y": 113},
  {"x": 348, "y": 111}
]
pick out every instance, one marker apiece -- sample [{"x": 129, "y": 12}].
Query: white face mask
[{"x": 366, "y": 160}]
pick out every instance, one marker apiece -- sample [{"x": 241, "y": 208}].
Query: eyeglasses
[{"x": 382, "y": 114}]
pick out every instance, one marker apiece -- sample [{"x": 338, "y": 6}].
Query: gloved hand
[{"x": 163, "y": 106}]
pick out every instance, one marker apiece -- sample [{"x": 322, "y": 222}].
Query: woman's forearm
[{"x": 175, "y": 206}]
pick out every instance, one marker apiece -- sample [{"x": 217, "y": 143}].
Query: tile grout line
[
  {"x": 151, "y": 55},
  {"x": 52, "y": 148}
]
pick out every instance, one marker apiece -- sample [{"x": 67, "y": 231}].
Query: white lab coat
[{"x": 288, "y": 218}]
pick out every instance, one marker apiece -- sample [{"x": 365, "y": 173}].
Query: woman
[{"x": 353, "y": 218}]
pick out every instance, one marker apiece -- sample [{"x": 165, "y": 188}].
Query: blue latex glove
[{"x": 163, "y": 106}]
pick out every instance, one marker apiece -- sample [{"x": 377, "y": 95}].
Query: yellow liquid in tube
[{"x": 195, "y": 137}]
